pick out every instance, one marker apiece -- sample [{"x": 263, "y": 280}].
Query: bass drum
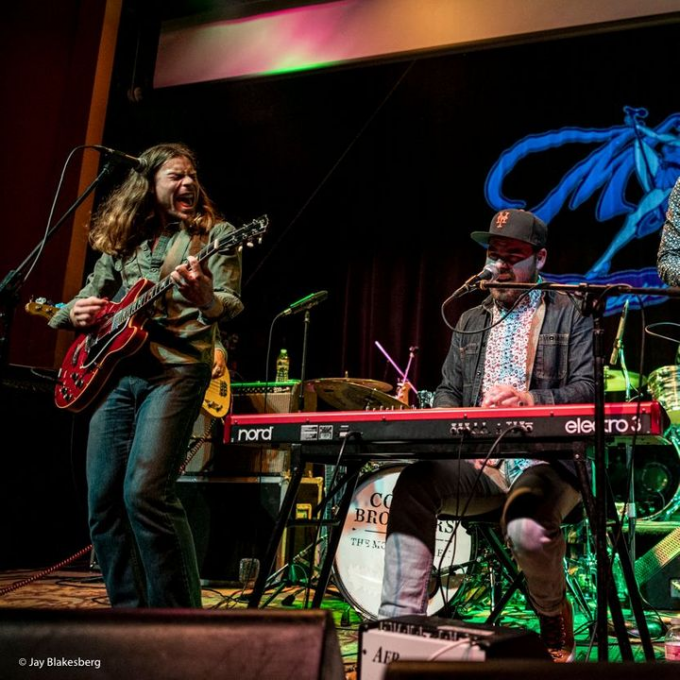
[
  {"x": 360, "y": 556},
  {"x": 656, "y": 478}
]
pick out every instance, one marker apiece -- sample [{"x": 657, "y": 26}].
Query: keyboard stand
[{"x": 348, "y": 485}]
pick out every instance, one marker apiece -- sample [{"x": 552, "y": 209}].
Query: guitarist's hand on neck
[
  {"x": 195, "y": 282},
  {"x": 86, "y": 311}
]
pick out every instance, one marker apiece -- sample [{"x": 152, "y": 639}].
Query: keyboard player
[{"x": 513, "y": 350}]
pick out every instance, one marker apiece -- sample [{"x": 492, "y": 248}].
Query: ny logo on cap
[{"x": 502, "y": 218}]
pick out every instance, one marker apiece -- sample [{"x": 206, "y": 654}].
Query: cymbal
[
  {"x": 615, "y": 380},
  {"x": 323, "y": 383},
  {"x": 348, "y": 396}
]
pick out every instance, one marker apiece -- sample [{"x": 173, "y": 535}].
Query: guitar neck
[{"x": 124, "y": 315}]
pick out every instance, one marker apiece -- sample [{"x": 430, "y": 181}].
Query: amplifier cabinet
[
  {"x": 210, "y": 456},
  {"x": 258, "y": 397},
  {"x": 232, "y": 518}
]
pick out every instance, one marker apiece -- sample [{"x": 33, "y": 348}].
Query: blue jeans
[
  {"x": 138, "y": 439},
  {"x": 533, "y": 510}
]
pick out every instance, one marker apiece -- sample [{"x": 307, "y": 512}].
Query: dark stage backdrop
[{"x": 373, "y": 176}]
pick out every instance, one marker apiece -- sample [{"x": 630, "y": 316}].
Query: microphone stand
[
  {"x": 631, "y": 509},
  {"x": 303, "y": 363},
  {"x": 11, "y": 284},
  {"x": 593, "y": 297}
]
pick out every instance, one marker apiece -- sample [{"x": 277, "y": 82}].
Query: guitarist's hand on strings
[
  {"x": 195, "y": 282},
  {"x": 85, "y": 311}
]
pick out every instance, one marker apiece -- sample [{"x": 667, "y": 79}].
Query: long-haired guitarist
[{"x": 149, "y": 230}]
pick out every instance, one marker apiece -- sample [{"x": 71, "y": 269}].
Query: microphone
[
  {"x": 120, "y": 156},
  {"x": 489, "y": 273},
  {"x": 306, "y": 303},
  {"x": 614, "y": 359}
]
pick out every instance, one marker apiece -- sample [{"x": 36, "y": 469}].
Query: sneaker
[{"x": 557, "y": 634}]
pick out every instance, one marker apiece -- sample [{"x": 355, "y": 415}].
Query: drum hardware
[
  {"x": 404, "y": 386},
  {"x": 622, "y": 381},
  {"x": 656, "y": 480},
  {"x": 664, "y": 386}
]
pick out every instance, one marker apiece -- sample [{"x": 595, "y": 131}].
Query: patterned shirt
[{"x": 506, "y": 360}]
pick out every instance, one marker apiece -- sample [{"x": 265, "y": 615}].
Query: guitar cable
[{"x": 45, "y": 572}]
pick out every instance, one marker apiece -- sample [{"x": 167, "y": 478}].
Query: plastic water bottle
[
  {"x": 672, "y": 640},
  {"x": 282, "y": 366}
]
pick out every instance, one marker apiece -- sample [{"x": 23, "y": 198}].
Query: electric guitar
[
  {"x": 217, "y": 398},
  {"x": 120, "y": 332},
  {"x": 42, "y": 307}
]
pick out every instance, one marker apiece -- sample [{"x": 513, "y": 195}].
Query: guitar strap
[{"x": 183, "y": 246}]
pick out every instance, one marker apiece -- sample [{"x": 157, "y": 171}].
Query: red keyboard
[{"x": 564, "y": 423}]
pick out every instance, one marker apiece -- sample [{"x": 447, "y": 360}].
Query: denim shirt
[{"x": 562, "y": 370}]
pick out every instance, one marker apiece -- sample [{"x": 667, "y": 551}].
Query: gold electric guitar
[{"x": 217, "y": 399}]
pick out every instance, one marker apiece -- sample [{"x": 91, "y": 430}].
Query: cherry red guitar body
[{"x": 92, "y": 357}]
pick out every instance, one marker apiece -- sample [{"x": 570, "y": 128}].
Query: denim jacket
[{"x": 561, "y": 356}]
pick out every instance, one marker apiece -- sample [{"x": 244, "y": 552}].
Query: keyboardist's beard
[{"x": 507, "y": 297}]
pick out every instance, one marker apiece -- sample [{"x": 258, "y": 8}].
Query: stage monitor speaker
[
  {"x": 419, "y": 638},
  {"x": 110, "y": 644},
  {"x": 657, "y": 572},
  {"x": 515, "y": 669}
]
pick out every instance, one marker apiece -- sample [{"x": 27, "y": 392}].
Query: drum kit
[
  {"x": 359, "y": 558},
  {"x": 355, "y": 394}
]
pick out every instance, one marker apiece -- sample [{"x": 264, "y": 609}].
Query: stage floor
[{"x": 80, "y": 587}]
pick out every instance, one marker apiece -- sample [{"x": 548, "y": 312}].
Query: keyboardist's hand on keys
[{"x": 506, "y": 396}]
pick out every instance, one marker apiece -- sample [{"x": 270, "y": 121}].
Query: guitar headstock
[
  {"x": 253, "y": 231},
  {"x": 41, "y": 307},
  {"x": 248, "y": 235}
]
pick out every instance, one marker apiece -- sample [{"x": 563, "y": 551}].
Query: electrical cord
[{"x": 45, "y": 572}]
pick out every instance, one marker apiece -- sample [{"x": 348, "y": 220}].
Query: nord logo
[
  {"x": 255, "y": 434},
  {"x": 611, "y": 426}
]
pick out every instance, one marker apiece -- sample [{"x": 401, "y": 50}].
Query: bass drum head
[{"x": 360, "y": 556}]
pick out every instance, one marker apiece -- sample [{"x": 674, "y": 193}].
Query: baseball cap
[{"x": 517, "y": 224}]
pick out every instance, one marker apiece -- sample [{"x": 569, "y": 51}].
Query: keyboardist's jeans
[{"x": 531, "y": 512}]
